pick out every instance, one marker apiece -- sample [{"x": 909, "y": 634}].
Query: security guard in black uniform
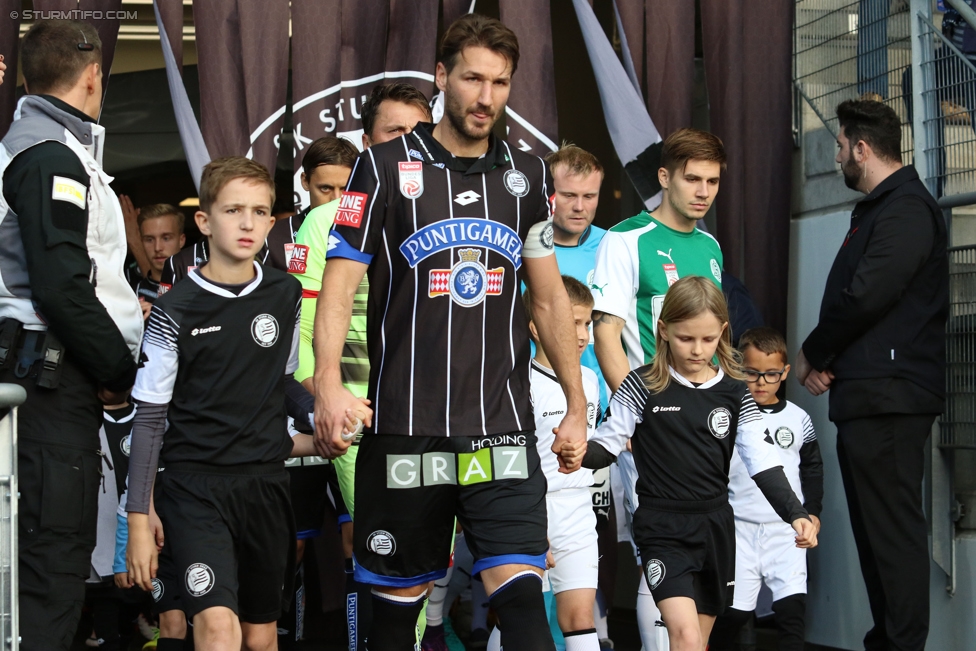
[{"x": 70, "y": 325}]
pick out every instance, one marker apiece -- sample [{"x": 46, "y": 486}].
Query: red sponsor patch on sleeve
[
  {"x": 352, "y": 205},
  {"x": 297, "y": 258}
]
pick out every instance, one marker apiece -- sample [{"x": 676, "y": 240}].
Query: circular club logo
[
  {"x": 469, "y": 283},
  {"x": 516, "y": 183},
  {"x": 590, "y": 414},
  {"x": 716, "y": 270},
  {"x": 126, "y": 444},
  {"x": 719, "y": 422},
  {"x": 547, "y": 237},
  {"x": 655, "y": 573},
  {"x": 264, "y": 329},
  {"x": 157, "y": 590},
  {"x": 199, "y": 579},
  {"x": 382, "y": 543},
  {"x": 784, "y": 437}
]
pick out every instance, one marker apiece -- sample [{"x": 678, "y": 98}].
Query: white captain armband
[{"x": 539, "y": 241}]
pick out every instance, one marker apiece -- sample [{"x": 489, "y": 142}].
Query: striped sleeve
[
  {"x": 625, "y": 412},
  {"x": 809, "y": 434},
  {"x": 159, "y": 360},
  {"x": 754, "y": 446}
]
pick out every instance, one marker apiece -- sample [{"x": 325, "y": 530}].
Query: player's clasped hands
[
  {"x": 570, "y": 453},
  {"x": 339, "y": 417},
  {"x": 806, "y": 533}
]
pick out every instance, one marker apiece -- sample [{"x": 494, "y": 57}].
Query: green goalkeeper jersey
[{"x": 307, "y": 263}]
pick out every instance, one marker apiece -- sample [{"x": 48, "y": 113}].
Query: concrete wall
[{"x": 837, "y": 604}]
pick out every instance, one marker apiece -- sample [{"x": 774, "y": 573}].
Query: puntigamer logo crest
[{"x": 462, "y": 231}]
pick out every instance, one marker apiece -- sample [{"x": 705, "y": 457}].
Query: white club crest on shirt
[
  {"x": 716, "y": 270},
  {"x": 126, "y": 444},
  {"x": 719, "y": 422},
  {"x": 157, "y": 590},
  {"x": 516, "y": 183},
  {"x": 264, "y": 329},
  {"x": 784, "y": 437}
]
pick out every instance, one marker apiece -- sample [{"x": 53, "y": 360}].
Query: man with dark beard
[
  {"x": 879, "y": 348},
  {"x": 448, "y": 220}
]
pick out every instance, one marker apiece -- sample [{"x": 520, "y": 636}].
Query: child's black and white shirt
[
  {"x": 219, "y": 360},
  {"x": 684, "y": 437},
  {"x": 792, "y": 432}
]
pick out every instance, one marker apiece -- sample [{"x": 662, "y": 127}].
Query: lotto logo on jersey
[
  {"x": 352, "y": 205},
  {"x": 411, "y": 179},
  {"x": 468, "y": 282},
  {"x": 297, "y": 256}
]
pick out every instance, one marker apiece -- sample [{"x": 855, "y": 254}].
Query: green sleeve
[{"x": 314, "y": 237}]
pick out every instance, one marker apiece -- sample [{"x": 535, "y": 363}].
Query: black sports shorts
[
  {"x": 410, "y": 488},
  {"x": 231, "y": 538},
  {"x": 688, "y": 555},
  {"x": 314, "y": 488}
]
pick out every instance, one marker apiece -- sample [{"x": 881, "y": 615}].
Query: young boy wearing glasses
[{"x": 765, "y": 551}]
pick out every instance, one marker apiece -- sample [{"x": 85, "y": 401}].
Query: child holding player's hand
[{"x": 684, "y": 414}]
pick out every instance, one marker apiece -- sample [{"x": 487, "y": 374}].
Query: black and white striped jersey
[
  {"x": 791, "y": 429},
  {"x": 443, "y": 237},
  {"x": 683, "y": 437},
  {"x": 219, "y": 360}
]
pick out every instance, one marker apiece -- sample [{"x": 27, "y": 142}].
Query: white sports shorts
[
  {"x": 572, "y": 539},
  {"x": 767, "y": 553}
]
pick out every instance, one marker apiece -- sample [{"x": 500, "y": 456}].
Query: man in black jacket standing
[{"x": 880, "y": 349}]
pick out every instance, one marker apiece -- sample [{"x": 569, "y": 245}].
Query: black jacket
[{"x": 884, "y": 309}]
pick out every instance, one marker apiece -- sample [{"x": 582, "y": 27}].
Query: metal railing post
[
  {"x": 11, "y": 396},
  {"x": 922, "y": 79}
]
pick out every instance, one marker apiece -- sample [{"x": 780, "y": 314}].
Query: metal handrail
[{"x": 12, "y": 395}]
